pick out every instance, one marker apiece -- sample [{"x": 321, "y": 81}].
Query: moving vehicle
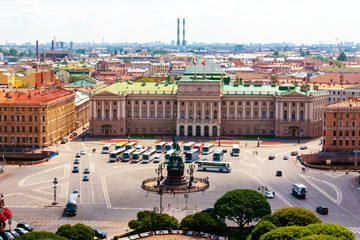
[
  {"x": 75, "y": 134},
  {"x": 21, "y": 231},
  {"x": 75, "y": 169},
  {"x": 268, "y": 195},
  {"x": 278, "y": 173},
  {"x": 82, "y": 152},
  {"x": 188, "y": 146},
  {"x": 9, "y": 236},
  {"x": 86, "y": 171},
  {"x": 168, "y": 147},
  {"x": 25, "y": 226},
  {"x": 71, "y": 206},
  {"x": 137, "y": 155},
  {"x": 157, "y": 158},
  {"x": 303, "y": 147},
  {"x": 116, "y": 155},
  {"x": 192, "y": 155},
  {"x": 77, "y": 155},
  {"x": 76, "y": 161},
  {"x": 149, "y": 156},
  {"x": 210, "y": 209},
  {"x": 86, "y": 178},
  {"x": 72, "y": 136},
  {"x": 106, "y": 149},
  {"x": 294, "y": 153},
  {"x": 130, "y": 145},
  {"x": 322, "y": 210},
  {"x": 127, "y": 155},
  {"x": 286, "y": 157},
  {"x": 167, "y": 156},
  {"x": 160, "y": 147},
  {"x": 214, "y": 166},
  {"x": 271, "y": 157},
  {"x": 207, "y": 149},
  {"x": 100, "y": 234},
  {"x": 64, "y": 140},
  {"x": 139, "y": 147},
  {"x": 77, "y": 192},
  {"x": 218, "y": 155},
  {"x": 299, "y": 190},
  {"x": 235, "y": 151},
  {"x": 120, "y": 145},
  {"x": 149, "y": 148},
  {"x": 199, "y": 146}
]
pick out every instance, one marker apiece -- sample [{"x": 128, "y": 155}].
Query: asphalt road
[{"x": 113, "y": 194}]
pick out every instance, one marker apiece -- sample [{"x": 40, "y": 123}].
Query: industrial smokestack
[
  {"x": 178, "y": 33},
  {"x": 52, "y": 45},
  {"x": 183, "y": 32},
  {"x": 37, "y": 50},
  {"x": 71, "y": 45}
]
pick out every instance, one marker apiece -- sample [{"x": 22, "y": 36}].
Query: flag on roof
[
  {"x": 203, "y": 62},
  {"x": 194, "y": 62}
]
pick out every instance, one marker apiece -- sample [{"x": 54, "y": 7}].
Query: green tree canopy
[
  {"x": 203, "y": 222},
  {"x": 320, "y": 237},
  {"x": 295, "y": 216},
  {"x": 287, "y": 233},
  {"x": 13, "y": 52},
  {"x": 342, "y": 56},
  {"x": 41, "y": 235},
  {"x": 77, "y": 232},
  {"x": 152, "y": 221},
  {"x": 242, "y": 206},
  {"x": 332, "y": 229},
  {"x": 261, "y": 228},
  {"x": 74, "y": 79}
]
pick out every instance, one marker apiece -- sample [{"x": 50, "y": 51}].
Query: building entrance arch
[
  {"x": 198, "y": 131},
  {"x": 182, "y": 131},
  {"x": 190, "y": 131},
  {"x": 215, "y": 131},
  {"x": 206, "y": 131}
]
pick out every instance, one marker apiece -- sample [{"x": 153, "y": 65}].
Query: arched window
[
  {"x": 107, "y": 114},
  {"x": 114, "y": 114},
  {"x": 285, "y": 115},
  {"x": 301, "y": 115},
  {"x": 293, "y": 115},
  {"x": 99, "y": 114}
]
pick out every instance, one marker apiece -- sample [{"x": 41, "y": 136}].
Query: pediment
[
  {"x": 294, "y": 94},
  {"x": 105, "y": 94}
]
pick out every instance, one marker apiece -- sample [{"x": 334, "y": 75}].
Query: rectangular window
[
  {"x": 5, "y": 139},
  {"x": 340, "y": 133},
  {"x": 347, "y": 142},
  {"x": 43, "y": 140},
  {"x": 30, "y": 129},
  {"x": 247, "y": 114},
  {"x": 353, "y": 133},
  {"x": 334, "y": 133},
  {"x": 152, "y": 113},
  {"x": 30, "y": 118},
  {"x": 23, "y": 129},
  {"x": 271, "y": 114},
  {"x": 334, "y": 142},
  {"x": 43, "y": 129},
  {"x": 12, "y": 118},
  {"x": 334, "y": 115},
  {"x": 353, "y": 142},
  {"x": 264, "y": 114},
  {"x": 256, "y": 114},
  {"x": 239, "y": 114},
  {"x": 43, "y": 118},
  {"x": 347, "y": 133},
  {"x": 18, "y": 118},
  {"x": 5, "y": 117},
  {"x": 340, "y": 142},
  {"x": 23, "y": 139}
]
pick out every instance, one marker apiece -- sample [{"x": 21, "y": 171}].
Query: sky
[{"x": 209, "y": 21}]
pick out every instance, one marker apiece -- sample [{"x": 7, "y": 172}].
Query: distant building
[{"x": 57, "y": 54}]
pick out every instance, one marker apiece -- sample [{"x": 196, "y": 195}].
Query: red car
[{"x": 72, "y": 136}]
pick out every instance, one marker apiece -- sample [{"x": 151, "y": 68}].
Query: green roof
[
  {"x": 130, "y": 87},
  {"x": 81, "y": 83},
  {"x": 210, "y": 68}
]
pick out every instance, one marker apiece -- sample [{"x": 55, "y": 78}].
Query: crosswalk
[{"x": 355, "y": 230}]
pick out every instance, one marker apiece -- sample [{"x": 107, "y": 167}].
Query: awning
[
  {"x": 7, "y": 213},
  {"x": 3, "y": 218}
]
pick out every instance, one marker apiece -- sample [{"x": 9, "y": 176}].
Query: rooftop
[
  {"x": 348, "y": 104},
  {"x": 210, "y": 68},
  {"x": 130, "y": 87}
]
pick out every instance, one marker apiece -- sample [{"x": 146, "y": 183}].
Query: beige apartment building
[{"x": 205, "y": 103}]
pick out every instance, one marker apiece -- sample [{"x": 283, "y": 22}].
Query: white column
[
  {"x": 186, "y": 133},
  {"x": 219, "y": 112},
  {"x": 118, "y": 109},
  {"x": 202, "y": 130},
  {"x": 164, "y": 102},
  {"x": 311, "y": 113},
  {"x": 102, "y": 110},
  {"x": 195, "y": 113},
  {"x": 236, "y": 112},
  {"x": 281, "y": 111},
  {"x": 140, "y": 103},
  {"x": 132, "y": 108},
  {"x": 177, "y": 130},
  {"x": 243, "y": 113},
  {"x": 260, "y": 113},
  {"x": 178, "y": 110},
  {"x": 268, "y": 110},
  {"x": 227, "y": 110},
  {"x": 210, "y": 131},
  {"x": 252, "y": 109},
  {"x": 289, "y": 113},
  {"x": 172, "y": 109},
  {"x": 123, "y": 109},
  {"x": 91, "y": 109},
  {"x": 211, "y": 110},
  {"x": 95, "y": 112},
  {"x": 156, "y": 112},
  {"x": 203, "y": 110},
  {"x": 186, "y": 110},
  {"x": 297, "y": 112},
  {"x": 110, "y": 110},
  {"x": 306, "y": 111},
  {"x": 148, "y": 109}
]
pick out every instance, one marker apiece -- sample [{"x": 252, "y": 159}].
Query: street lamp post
[
  {"x": 161, "y": 190},
  {"x": 159, "y": 173},
  {"x": 262, "y": 189},
  {"x": 129, "y": 135},
  {"x": 258, "y": 139},
  {"x": 219, "y": 133},
  {"x": 55, "y": 182},
  {"x": 191, "y": 173}
]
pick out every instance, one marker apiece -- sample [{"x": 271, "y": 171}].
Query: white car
[
  {"x": 157, "y": 158},
  {"x": 268, "y": 195},
  {"x": 286, "y": 158},
  {"x": 82, "y": 152},
  {"x": 303, "y": 147}
]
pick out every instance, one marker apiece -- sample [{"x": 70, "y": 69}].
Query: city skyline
[{"x": 206, "y": 21}]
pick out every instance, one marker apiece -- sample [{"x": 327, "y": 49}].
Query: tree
[
  {"x": 242, "y": 206},
  {"x": 203, "y": 222},
  {"x": 342, "y": 56},
  {"x": 13, "y": 52},
  {"x": 295, "y": 216},
  {"x": 287, "y": 233},
  {"x": 41, "y": 235},
  {"x": 276, "y": 54},
  {"x": 74, "y": 79},
  {"x": 320, "y": 237},
  {"x": 152, "y": 221},
  {"x": 77, "y": 232},
  {"x": 261, "y": 228},
  {"x": 332, "y": 229},
  {"x": 80, "y": 51}
]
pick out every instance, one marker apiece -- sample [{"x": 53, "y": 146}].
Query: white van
[{"x": 157, "y": 158}]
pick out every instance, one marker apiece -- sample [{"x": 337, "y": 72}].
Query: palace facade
[{"x": 206, "y": 103}]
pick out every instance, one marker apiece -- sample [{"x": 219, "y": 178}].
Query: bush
[
  {"x": 152, "y": 221},
  {"x": 320, "y": 237},
  {"x": 41, "y": 235},
  {"x": 203, "y": 222},
  {"x": 272, "y": 219},
  {"x": 77, "y": 232},
  {"x": 297, "y": 216},
  {"x": 261, "y": 228},
  {"x": 287, "y": 233},
  {"x": 332, "y": 229}
]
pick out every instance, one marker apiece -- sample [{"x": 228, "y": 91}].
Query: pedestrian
[
  {"x": 174, "y": 193},
  {"x": 196, "y": 204},
  {"x": 203, "y": 191},
  {"x": 146, "y": 193},
  {"x": 274, "y": 194},
  {"x": 169, "y": 206}
]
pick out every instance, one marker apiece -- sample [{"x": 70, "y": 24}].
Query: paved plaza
[{"x": 113, "y": 195}]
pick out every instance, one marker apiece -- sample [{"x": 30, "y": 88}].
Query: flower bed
[{"x": 261, "y": 142}]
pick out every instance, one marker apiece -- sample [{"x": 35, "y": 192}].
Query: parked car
[
  {"x": 157, "y": 158},
  {"x": 7, "y": 236},
  {"x": 322, "y": 210},
  {"x": 303, "y": 147},
  {"x": 72, "y": 136},
  {"x": 271, "y": 157},
  {"x": 269, "y": 195},
  {"x": 294, "y": 153},
  {"x": 286, "y": 157},
  {"x": 86, "y": 171},
  {"x": 82, "y": 152},
  {"x": 100, "y": 234},
  {"x": 77, "y": 155},
  {"x": 75, "y": 169},
  {"x": 86, "y": 178},
  {"x": 76, "y": 161},
  {"x": 75, "y": 134},
  {"x": 278, "y": 173},
  {"x": 210, "y": 209},
  {"x": 21, "y": 231},
  {"x": 64, "y": 140},
  {"x": 88, "y": 132},
  {"x": 13, "y": 232},
  {"x": 25, "y": 226},
  {"x": 149, "y": 148}
]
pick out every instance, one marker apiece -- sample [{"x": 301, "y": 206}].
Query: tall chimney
[
  {"x": 183, "y": 32},
  {"x": 52, "y": 45},
  {"x": 71, "y": 45},
  {"x": 178, "y": 33},
  {"x": 37, "y": 50}
]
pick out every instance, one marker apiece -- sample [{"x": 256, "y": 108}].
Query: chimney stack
[
  {"x": 37, "y": 50},
  {"x": 71, "y": 45},
  {"x": 52, "y": 45},
  {"x": 178, "y": 33},
  {"x": 183, "y": 32}
]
